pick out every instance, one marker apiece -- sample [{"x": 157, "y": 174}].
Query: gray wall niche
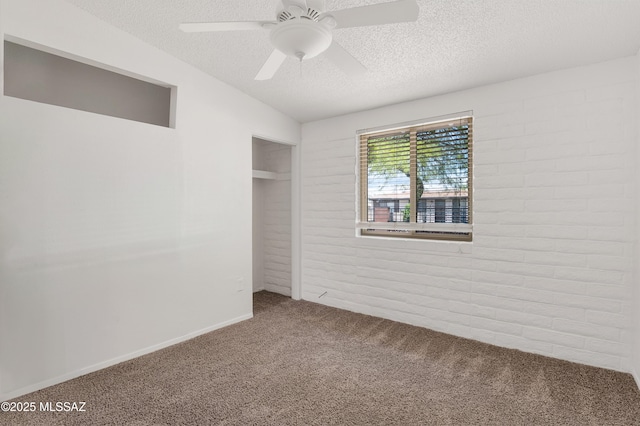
[{"x": 51, "y": 79}]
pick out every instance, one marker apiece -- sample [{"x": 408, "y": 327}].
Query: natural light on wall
[{"x": 415, "y": 179}]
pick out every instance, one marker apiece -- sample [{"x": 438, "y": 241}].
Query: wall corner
[{"x": 635, "y": 326}]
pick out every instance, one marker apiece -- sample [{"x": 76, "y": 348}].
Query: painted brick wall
[
  {"x": 277, "y": 219},
  {"x": 550, "y": 267}
]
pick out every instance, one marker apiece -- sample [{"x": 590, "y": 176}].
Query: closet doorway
[{"x": 272, "y": 217}]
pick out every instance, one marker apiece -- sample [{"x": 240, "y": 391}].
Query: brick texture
[
  {"x": 277, "y": 219},
  {"x": 550, "y": 268}
]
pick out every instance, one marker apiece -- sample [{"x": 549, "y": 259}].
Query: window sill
[{"x": 441, "y": 231}]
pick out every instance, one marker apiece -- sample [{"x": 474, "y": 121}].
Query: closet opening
[{"x": 272, "y": 217}]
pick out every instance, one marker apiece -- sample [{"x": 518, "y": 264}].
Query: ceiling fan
[{"x": 303, "y": 30}]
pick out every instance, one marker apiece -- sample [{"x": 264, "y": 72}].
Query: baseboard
[
  {"x": 99, "y": 366},
  {"x": 636, "y": 376}
]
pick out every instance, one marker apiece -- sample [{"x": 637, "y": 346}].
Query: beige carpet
[{"x": 300, "y": 363}]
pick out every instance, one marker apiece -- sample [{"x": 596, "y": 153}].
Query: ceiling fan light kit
[
  {"x": 301, "y": 38},
  {"x": 303, "y": 30}
]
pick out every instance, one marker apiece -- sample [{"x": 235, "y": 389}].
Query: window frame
[{"x": 412, "y": 229}]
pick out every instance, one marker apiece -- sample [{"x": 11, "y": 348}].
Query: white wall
[
  {"x": 258, "y": 218},
  {"x": 550, "y": 267},
  {"x": 118, "y": 237}
]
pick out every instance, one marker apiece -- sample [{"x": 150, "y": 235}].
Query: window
[{"x": 416, "y": 180}]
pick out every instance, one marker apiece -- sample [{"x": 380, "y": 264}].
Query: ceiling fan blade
[
  {"x": 344, "y": 60},
  {"x": 198, "y": 27},
  {"x": 376, "y": 14},
  {"x": 272, "y": 65}
]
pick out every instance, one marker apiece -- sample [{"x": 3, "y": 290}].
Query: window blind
[{"x": 416, "y": 181}]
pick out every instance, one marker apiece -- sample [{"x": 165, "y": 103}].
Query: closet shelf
[{"x": 263, "y": 174}]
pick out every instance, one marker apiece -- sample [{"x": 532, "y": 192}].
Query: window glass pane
[
  {"x": 443, "y": 174},
  {"x": 439, "y": 211},
  {"x": 388, "y": 178}
]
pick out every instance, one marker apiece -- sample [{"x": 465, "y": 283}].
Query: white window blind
[{"x": 416, "y": 180}]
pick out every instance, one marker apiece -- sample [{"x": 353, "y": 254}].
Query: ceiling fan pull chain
[{"x": 300, "y": 56}]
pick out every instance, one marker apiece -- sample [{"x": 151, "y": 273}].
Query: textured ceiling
[{"x": 454, "y": 45}]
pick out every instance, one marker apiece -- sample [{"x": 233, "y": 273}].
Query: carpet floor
[{"x": 300, "y": 363}]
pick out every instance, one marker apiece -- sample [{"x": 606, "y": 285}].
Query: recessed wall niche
[{"x": 44, "y": 77}]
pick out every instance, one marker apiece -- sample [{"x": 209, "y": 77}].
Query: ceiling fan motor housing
[{"x": 301, "y": 38}]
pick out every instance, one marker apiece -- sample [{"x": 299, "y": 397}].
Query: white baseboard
[{"x": 99, "y": 366}]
